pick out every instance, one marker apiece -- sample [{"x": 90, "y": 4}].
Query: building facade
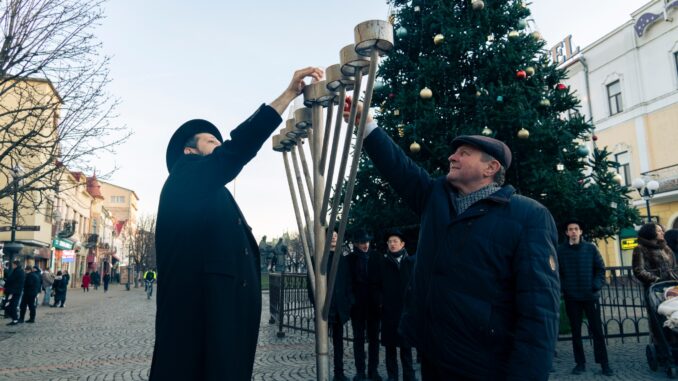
[{"x": 628, "y": 84}]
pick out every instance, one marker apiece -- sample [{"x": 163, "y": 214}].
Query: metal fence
[{"x": 623, "y": 312}]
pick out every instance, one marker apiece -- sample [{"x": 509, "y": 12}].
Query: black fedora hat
[
  {"x": 175, "y": 148},
  {"x": 395, "y": 232},
  {"x": 570, "y": 221},
  {"x": 360, "y": 235}
]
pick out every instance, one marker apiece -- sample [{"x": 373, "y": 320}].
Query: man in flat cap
[
  {"x": 209, "y": 301},
  {"x": 486, "y": 288}
]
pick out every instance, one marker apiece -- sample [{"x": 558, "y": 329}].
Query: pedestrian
[
  {"x": 486, "y": 288},
  {"x": 31, "y": 289},
  {"x": 96, "y": 279},
  {"x": 86, "y": 280},
  {"x": 340, "y": 306},
  {"x": 671, "y": 238},
  {"x": 198, "y": 215},
  {"x": 582, "y": 275},
  {"x": 47, "y": 282},
  {"x": 66, "y": 280},
  {"x": 14, "y": 288},
  {"x": 59, "y": 286},
  {"x": 366, "y": 311},
  {"x": 107, "y": 280},
  {"x": 396, "y": 270},
  {"x": 653, "y": 260}
]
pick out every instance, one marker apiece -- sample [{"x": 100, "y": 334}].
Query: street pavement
[{"x": 109, "y": 336}]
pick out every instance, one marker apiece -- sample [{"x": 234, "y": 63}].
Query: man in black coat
[
  {"x": 582, "y": 275},
  {"x": 396, "y": 270},
  {"x": 366, "y": 311},
  {"x": 31, "y": 290},
  {"x": 14, "y": 287},
  {"x": 209, "y": 302},
  {"x": 486, "y": 288}
]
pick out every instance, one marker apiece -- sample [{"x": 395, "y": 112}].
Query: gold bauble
[
  {"x": 523, "y": 133},
  {"x": 486, "y": 131},
  {"x": 536, "y": 35},
  {"x": 396, "y": 112},
  {"x": 513, "y": 34},
  {"x": 545, "y": 102},
  {"x": 478, "y": 5},
  {"x": 618, "y": 178},
  {"x": 426, "y": 93},
  {"x": 415, "y": 147},
  {"x": 530, "y": 70},
  {"x": 438, "y": 39}
]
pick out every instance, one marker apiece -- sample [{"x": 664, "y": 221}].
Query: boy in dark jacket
[
  {"x": 31, "y": 290},
  {"x": 582, "y": 275}
]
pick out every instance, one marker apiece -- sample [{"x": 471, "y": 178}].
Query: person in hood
[
  {"x": 582, "y": 275},
  {"x": 206, "y": 250},
  {"x": 14, "y": 288}
]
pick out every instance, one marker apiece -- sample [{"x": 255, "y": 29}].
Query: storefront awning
[{"x": 63, "y": 244}]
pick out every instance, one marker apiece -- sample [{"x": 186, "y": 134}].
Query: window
[
  {"x": 614, "y": 97},
  {"x": 118, "y": 199},
  {"x": 49, "y": 210},
  {"x": 623, "y": 158},
  {"x": 94, "y": 226}
]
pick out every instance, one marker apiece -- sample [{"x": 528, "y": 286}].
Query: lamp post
[
  {"x": 646, "y": 191},
  {"x": 12, "y": 248}
]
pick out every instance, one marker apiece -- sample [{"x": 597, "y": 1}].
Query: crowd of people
[{"x": 23, "y": 286}]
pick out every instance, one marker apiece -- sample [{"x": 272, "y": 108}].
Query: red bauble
[
  {"x": 594, "y": 138},
  {"x": 347, "y": 104},
  {"x": 391, "y": 95},
  {"x": 561, "y": 87},
  {"x": 521, "y": 74}
]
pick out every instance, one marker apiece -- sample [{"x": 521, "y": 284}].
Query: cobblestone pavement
[{"x": 110, "y": 337}]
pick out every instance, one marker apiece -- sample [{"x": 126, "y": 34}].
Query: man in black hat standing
[
  {"x": 209, "y": 301},
  {"x": 582, "y": 275},
  {"x": 366, "y": 311},
  {"x": 486, "y": 288}
]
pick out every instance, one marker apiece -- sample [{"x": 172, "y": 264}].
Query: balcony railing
[{"x": 666, "y": 176}]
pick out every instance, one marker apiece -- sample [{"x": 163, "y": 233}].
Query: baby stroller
[{"x": 663, "y": 348}]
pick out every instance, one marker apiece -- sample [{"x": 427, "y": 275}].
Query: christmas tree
[{"x": 477, "y": 67}]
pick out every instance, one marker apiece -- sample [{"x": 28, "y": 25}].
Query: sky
[{"x": 177, "y": 60}]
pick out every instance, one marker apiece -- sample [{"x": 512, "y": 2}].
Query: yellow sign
[{"x": 629, "y": 243}]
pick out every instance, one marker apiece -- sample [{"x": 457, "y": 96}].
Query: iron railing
[{"x": 622, "y": 301}]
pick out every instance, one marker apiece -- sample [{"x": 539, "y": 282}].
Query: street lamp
[
  {"x": 12, "y": 248},
  {"x": 646, "y": 191}
]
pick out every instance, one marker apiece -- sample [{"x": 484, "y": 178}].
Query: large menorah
[{"x": 311, "y": 184}]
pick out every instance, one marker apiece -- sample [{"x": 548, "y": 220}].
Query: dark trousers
[
  {"x": 59, "y": 299},
  {"x": 338, "y": 347},
  {"x": 105, "y": 286},
  {"x": 28, "y": 301},
  {"x": 405, "y": 360},
  {"x": 575, "y": 310},
  {"x": 430, "y": 371},
  {"x": 13, "y": 307},
  {"x": 372, "y": 327}
]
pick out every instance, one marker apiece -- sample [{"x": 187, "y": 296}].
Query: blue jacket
[
  {"x": 582, "y": 271},
  {"x": 485, "y": 284}
]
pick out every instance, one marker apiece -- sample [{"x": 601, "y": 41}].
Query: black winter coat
[
  {"x": 395, "y": 278},
  {"x": 14, "y": 285},
  {"x": 60, "y": 286},
  {"x": 486, "y": 288},
  {"x": 209, "y": 301},
  {"x": 32, "y": 285},
  {"x": 366, "y": 292},
  {"x": 582, "y": 271},
  {"x": 342, "y": 298}
]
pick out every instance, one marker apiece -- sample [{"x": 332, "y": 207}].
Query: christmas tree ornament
[
  {"x": 523, "y": 133},
  {"x": 391, "y": 95},
  {"x": 396, "y": 112},
  {"x": 536, "y": 35},
  {"x": 478, "y": 93},
  {"x": 561, "y": 87},
  {"x": 583, "y": 150},
  {"x": 594, "y": 138},
  {"x": 513, "y": 34},
  {"x": 401, "y": 130},
  {"x": 415, "y": 147},
  {"x": 426, "y": 93},
  {"x": 416, "y": 8},
  {"x": 521, "y": 74},
  {"x": 401, "y": 32},
  {"x": 618, "y": 178},
  {"x": 438, "y": 39},
  {"x": 487, "y": 131},
  {"x": 530, "y": 70},
  {"x": 490, "y": 37},
  {"x": 522, "y": 24},
  {"x": 391, "y": 18},
  {"x": 500, "y": 98},
  {"x": 560, "y": 167},
  {"x": 478, "y": 5},
  {"x": 545, "y": 102}
]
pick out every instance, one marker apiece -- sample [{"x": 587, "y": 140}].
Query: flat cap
[{"x": 493, "y": 147}]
